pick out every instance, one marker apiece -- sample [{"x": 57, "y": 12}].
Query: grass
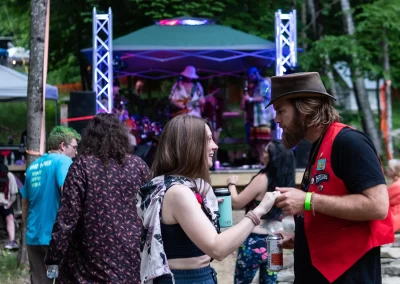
[{"x": 9, "y": 272}]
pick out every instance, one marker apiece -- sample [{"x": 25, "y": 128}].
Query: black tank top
[{"x": 177, "y": 244}]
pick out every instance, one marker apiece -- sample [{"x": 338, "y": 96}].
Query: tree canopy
[{"x": 71, "y": 28}]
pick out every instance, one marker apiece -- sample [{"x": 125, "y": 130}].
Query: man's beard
[{"x": 294, "y": 133}]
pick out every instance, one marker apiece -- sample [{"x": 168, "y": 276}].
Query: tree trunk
[
  {"x": 318, "y": 34},
  {"x": 370, "y": 127},
  {"x": 304, "y": 24},
  {"x": 378, "y": 100},
  {"x": 35, "y": 89},
  {"x": 329, "y": 72},
  {"x": 311, "y": 7},
  {"x": 386, "y": 68}
]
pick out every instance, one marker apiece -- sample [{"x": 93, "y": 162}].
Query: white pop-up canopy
[{"x": 14, "y": 86}]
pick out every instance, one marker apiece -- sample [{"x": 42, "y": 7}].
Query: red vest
[{"x": 336, "y": 244}]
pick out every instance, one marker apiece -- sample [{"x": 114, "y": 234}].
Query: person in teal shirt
[{"x": 41, "y": 196}]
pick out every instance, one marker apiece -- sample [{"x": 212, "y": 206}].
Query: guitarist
[{"x": 187, "y": 94}]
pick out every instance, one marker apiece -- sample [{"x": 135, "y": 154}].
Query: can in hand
[{"x": 275, "y": 253}]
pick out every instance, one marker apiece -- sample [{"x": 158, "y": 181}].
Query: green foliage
[
  {"x": 13, "y": 119},
  {"x": 15, "y": 20},
  {"x": 164, "y": 9},
  {"x": 68, "y": 72},
  {"x": 380, "y": 21},
  {"x": 375, "y": 21}
]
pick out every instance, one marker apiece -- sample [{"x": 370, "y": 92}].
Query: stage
[{"x": 219, "y": 177}]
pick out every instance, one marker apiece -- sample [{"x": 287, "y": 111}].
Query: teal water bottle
[{"x": 225, "y": 207}]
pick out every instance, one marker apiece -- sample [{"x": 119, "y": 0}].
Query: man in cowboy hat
[
  {"x": 342, "y": 211},
  {"x": 187, "y": 94}
]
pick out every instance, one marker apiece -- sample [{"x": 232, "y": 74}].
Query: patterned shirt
[
  {"x": 255, "y": 112},
  {"x": 97, "y": 231},
  {"x": 179, "y": 93}
]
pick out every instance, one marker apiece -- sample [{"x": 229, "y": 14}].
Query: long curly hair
[
  {"x": 281, "y": 169},
  {"x": 106, "y": 138}
]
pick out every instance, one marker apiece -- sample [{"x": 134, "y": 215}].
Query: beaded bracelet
[{"x": 312, "y": 205}]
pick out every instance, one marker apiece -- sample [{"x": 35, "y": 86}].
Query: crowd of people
[{"x": 106, "y": 217}]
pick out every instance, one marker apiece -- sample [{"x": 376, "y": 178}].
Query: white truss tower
[
  {"x": 286, "y": 41},
  {"x": 102, "y": 65},
  {"x": 286, "y": 46}
]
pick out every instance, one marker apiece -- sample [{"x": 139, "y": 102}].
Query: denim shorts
[{"x": 205, "y": 275}]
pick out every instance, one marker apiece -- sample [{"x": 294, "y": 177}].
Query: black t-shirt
[{"x": 354, "y": 160}]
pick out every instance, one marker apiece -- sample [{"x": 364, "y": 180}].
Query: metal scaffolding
[
  {"x": 102, "y": 63},
  {"x": 286, "y": 41},
  {"x": 286, "y": 46}
]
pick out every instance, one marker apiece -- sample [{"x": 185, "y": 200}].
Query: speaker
[{"x": 81, "y": 104}]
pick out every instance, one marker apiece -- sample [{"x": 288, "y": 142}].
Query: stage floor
[{"x": 219, "y": 177}]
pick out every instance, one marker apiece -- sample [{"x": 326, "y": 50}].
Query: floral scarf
[{"x": 149, "y": 203}]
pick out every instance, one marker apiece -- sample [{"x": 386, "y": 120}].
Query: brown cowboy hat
[{"x": 305, "y": 84}]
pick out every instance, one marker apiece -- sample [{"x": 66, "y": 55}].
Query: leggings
[{"x": 252, "y": 255}]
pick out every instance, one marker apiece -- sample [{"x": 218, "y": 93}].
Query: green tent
[{"x": 163, "y": 50}]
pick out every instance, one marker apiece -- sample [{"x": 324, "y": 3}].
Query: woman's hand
[
  {"x": 232, "y": 179},
  {"x": 287, "y": 241},
  {"x": 267, "y": 202}
]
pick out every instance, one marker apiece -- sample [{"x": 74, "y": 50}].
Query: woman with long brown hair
[{"x": 179, "y": 211}]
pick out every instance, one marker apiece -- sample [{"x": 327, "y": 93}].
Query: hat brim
[
  {"x": 301, "y": 94},
  {"x": 190, "y": 77}
]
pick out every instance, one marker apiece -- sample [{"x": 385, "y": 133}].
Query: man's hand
[
  {"x": 8, "y": 205},
  {"x": 246, "y": 98},
  {"x": 287, "y": 241},
  {"x": 291, "y": 200}
]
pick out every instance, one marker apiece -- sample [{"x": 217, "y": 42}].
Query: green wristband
[{"x": 307, "y": 201}]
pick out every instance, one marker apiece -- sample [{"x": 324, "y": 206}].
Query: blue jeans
[
  {"x": 205, "y": 275},
  {"x": 252, "y": 255}
]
